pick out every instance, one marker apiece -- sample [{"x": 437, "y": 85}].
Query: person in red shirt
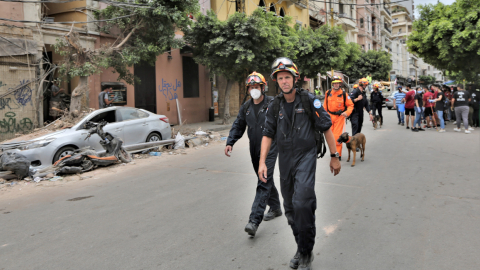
[
  {"x": 448, "y": 96},
  {"x": 409, "y": 105},
  {"x": 429, "y": 101}
]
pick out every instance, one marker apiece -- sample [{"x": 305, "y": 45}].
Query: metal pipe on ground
[{"x": 135, "y": 148}]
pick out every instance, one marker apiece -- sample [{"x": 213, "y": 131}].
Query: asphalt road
[{"x": 413, "y": 204}]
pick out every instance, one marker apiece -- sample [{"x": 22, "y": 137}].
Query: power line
[
  {"x": 68, "y": 1},
  {"x": 44, "y": 22},
  {"x": 331, "y": 2}
]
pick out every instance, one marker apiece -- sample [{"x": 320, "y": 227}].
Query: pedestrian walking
[
  {"x": 103, "y": 100},
  {"x": 376, "y": 100},
  {"x": 429, "y": 103},
  {"x": 440, "y": 106},
  {"x": 359, "y": 98},
  {"x": 293, "y": 118},
  {"x": 339, "y": 106},
  {"x": 475, "y": 103},
  {"x": 473, "y": 95},
  {"x": 448, "y": 97},
  {"x": 399, "y": 101},
  {"x": 460, "y": 101},
  {"x": 317, "y": 91},
  {"x": 252, "y": 115},
  {"x": 410, "y": 105},
  {"x": 417, "y": 125}
]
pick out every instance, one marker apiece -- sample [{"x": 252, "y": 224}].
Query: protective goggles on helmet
[
  {"x": 283, "y": 63},
  {"x": 254, "y": 79}
]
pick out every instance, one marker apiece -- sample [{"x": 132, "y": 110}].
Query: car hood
[{"x": 59, "y": 133}]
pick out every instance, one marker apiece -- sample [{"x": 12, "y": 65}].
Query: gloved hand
[{"x": 419, "y": 110}]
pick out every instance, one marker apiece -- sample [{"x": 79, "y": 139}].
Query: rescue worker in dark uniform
[
  {"x": 359, "y": 98},
  {"x": 376, "y": 98},
  {"x": 294, "y": 132},
  {"x": 252, "y": 114}
]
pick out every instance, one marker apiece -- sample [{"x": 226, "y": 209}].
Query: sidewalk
[{"x": 204, "y": 126}]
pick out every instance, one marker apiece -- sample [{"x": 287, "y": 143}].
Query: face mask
[
  {"x": 255, "y": 93},
  {"x": 420, "y": 92}
]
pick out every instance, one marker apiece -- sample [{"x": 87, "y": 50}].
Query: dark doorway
[
  {"x": 47, "y": 84},
  {"x": 145, "y": 92}
]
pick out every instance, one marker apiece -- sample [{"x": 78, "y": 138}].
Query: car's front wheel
[
  {"x": 62, "y": 152},
  {"x": 154, "y": 137}
]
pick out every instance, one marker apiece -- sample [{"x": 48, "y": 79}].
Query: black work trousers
[
  {"x": 357, "y": 122},
  {"x": 297, "y": 180},
  {"x": 377, "y": 106},
  {"x": 266, "y": 194}
]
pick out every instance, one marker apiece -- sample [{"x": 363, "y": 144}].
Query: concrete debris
[
  {"x": 196, "y": 142},
  {"x": 201, "y": 133},
  {"x": 50, "y": 175}
]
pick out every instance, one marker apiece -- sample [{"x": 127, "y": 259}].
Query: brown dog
[
  {"x": 377, "y": 121},
  {"x": 354, "y": 142}
]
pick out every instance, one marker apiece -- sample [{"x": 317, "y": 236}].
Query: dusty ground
[{"x": 25, "y": 188}]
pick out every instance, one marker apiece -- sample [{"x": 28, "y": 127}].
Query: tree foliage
[
  {"x": 426, "y": 79},
  {"x": 322, "y": 49},
  {"x": 240, "y": 44},
  {"x": 448, "y": 37},
  {"x": 375, "y": 62}
]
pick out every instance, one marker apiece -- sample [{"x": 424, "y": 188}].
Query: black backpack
[{"x": 319, "y": 137}]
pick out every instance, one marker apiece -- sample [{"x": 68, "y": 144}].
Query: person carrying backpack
[
  {"x": 339, "y": 106},
  {"x": 252, "y": 115},
  {"x": 294, "y": 119},
  {"x": 359, "y": 98}
]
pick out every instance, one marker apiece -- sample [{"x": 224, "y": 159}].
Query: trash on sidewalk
[
  {"x": 155, "y": 154},
  {"x": 201, "y": 133},
  {"x": 16, "y": 163},
  {"x": 56, "y": 178},
  {"x": 179, "y": 141},
  {"x": 38, "y": 179},
  {"x": 223, "y": 138}
]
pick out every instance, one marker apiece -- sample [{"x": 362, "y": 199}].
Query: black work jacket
[
  {"x": 360, "y": 104},
  {"x": 376, "y": 97},
  {"x": 255, "y": 125},
  {"x": 296, "y": 135}
]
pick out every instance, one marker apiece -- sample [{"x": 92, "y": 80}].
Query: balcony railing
[
  {"x": 386, "y": 9},
  {"x": 301, "y": 3},
  {"x": 386, "y": 28}
]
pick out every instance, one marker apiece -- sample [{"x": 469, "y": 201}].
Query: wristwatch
[{"x": 335, "y": 155}]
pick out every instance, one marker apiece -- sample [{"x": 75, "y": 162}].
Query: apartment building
[
  {"x": 369, "y": 24},
  {"x": 176, "y": 86},
  {"x": 386, "y": 26}
]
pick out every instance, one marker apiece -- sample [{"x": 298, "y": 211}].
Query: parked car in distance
[
  {"x": 389, "y": 101},
  {"x": 130, "y": 124}
]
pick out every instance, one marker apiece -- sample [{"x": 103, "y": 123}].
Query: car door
[
  {"x": 135, "y": 127},
  {"x": 113, "y": 127}
]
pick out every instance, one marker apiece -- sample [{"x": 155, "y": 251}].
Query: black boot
[
  {"x": 294, "y": 261},
  {"x": 272, "y": 214},
  {"x": 305, "y": 262},
  {"x": 251, "y": 228}
]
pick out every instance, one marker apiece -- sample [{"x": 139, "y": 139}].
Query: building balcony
[
  {"x": 386, "y": 31},
  {"x": 350, "y": 23},
  {"x": 384, "y": 11},
  {"x": 303, "y": 4}
]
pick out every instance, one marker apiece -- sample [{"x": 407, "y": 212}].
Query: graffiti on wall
[
  {"x": 23, "y": 95},
  {"x": 8, "y": 103},
  {"x": 1, "y": 84},
  {"x": 9, "y": 124},
  {"x": 169, "y": 90}
]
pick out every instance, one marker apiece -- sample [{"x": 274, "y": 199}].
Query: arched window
[
  {"x": 282, "y": 12},
  {"x": 261, "y": 3},
  {"x": 272, "y": 8}
]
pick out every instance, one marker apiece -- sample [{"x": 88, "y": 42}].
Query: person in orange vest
[{"x": 339, "y": 106}]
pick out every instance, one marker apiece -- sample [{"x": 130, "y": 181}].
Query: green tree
[
  {"x": 448, "y": 37},
  {"x": 239, "y": 45},
  {"x": 426, "y": 79},
  {"x": 322, "y": 49},
  {"x": 145, "y": 29},
  {"x": 375, "y": 62}
]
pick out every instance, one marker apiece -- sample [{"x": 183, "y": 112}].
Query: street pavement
[{"x": 413, "y": 204}]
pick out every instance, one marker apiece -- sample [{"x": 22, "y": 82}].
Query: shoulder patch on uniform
[
  {"x": 317, "y": 104},
  {"x": 348, "y": 97}
]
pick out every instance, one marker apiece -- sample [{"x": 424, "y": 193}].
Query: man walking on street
[
  {"x": 293, "y": 118},
  {"x": 409, "y": 105},
  {"x": 252, "y": 114},
  {"x": 429, "y": 103},
  {"x": 376, "y": 100},
  {"x": 460, "y": 101},
  {"x": 399, "y": 100},
  {"x": 103, "y": 100},
  {"x": 339, "y": 106},
  {"x": 418, "y": 111},
  {"x": 359, "y": 98}
]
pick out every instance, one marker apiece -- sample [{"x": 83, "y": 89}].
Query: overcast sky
[{"x": 423, "y": 2}]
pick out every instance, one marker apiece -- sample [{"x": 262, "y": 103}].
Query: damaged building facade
[{"x": 176, "y": 86}]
